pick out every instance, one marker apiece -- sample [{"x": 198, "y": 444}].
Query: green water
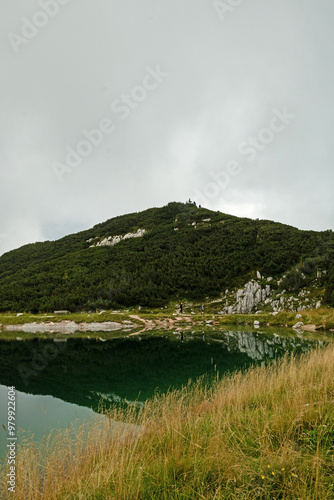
[{"x": 60, "y": 381}]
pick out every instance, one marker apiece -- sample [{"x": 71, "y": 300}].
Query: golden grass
[{"x": 264, "y": 434}]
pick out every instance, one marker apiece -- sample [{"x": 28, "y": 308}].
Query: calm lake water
[{"x": 60, "y": 381}]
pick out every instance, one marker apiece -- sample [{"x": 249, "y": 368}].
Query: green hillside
[{"x": 185, "y": 252}]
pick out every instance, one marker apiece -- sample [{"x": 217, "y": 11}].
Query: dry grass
[
  {"x": 265, "y": 434},
  {"x": 322, "y": 316}
]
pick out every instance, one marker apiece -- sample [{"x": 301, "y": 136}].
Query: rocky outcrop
[
  {"x": 258, "y": 296},
  {"x": 247, "y": 298},
  {"x": 110, "y": 241}
]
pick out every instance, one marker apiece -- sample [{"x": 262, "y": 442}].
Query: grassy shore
[
  {"x": 264, "y": 434},
  {"x": 323, "y": 318}
]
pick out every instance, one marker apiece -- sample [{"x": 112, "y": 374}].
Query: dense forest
[{"x": 186, "y": 252}]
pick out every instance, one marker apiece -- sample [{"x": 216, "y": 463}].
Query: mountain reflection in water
[
  {"x": 131, "y": 369},
  {"x": 259, "y": 348}
]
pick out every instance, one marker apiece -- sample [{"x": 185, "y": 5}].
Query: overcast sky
[{"x": 114, "y": 106}]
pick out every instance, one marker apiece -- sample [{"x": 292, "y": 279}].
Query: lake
[{"x": 59, "y": 381}]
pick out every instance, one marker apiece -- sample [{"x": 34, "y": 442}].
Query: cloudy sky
[{"x": 113, "y": 106}]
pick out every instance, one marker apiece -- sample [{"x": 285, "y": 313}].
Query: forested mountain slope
[{"x": 178, "y": 251}]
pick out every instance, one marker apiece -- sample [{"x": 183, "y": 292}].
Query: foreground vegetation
[
  {"x": 186, "y": 252},
  {"x": 264, "y": 434}
]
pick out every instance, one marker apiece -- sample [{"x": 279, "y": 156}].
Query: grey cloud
[{"x": 225, "y": 79}]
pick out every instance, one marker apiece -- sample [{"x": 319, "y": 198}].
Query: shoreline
[{"x": 134, "y": 322}]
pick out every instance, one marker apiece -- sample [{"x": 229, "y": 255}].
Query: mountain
[{"x": 179, "y": 251}]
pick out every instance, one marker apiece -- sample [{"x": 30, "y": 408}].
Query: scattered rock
[
  {"x": 309, "y": 328},
  {"x": 298, "y": 325}
]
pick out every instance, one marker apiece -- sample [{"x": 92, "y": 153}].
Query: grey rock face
[{"x": 247, "y": 298}]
